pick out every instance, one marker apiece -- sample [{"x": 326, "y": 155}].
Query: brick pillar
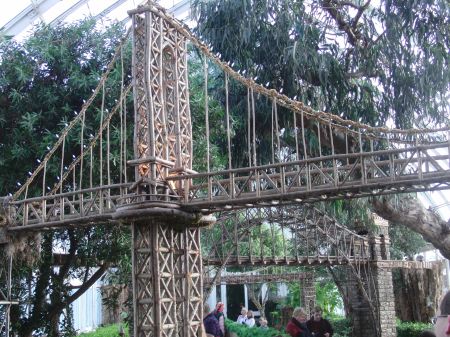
[
  {"x": 308, "y": 293},
  {"x": 377, "y": 282}
]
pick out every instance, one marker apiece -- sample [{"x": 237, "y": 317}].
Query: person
[
  {"x": 447, "y": 332},
  {"x": 250, "y": 321},
  {"x": 442, "y": 324},
  {"x": 319, "y": 326},
  {"x": 296, "y": 326},
  {"x": 243, "y": 316},
  {"x": 210, "y": 323},
  {"x": 218, "y": 312},
  {"x": 263, "y": 323}
]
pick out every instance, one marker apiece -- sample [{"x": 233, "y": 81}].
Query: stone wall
[
  {"x": 372, "y": 296},
  {"x": 308, "y": 294}
]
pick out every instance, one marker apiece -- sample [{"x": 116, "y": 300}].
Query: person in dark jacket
[
  {"x": 319, "y": 326},
  {"x": 210, "y": 323},
  {"x": 296, "y": 327},
  {"x": 218, "y": 312}
]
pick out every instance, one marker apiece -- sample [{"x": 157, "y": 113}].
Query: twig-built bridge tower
[
  {"x": 166, "y": 202},
  {"x": 167, "y": 266}
]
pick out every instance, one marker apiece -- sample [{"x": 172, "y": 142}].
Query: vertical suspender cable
[
  {"x": 296, "y": 136},
  {"x": 254, "y": 127},
  {"x": 272, "y": 140},
  {"x": 125, "y": 138},
  {"x": 73, "y": 182},
  {"x": 227, "y": 109},
  {"x": 101, "y": 135},
  {"x": 62, "y": 164},
  {"x": 249, "y": 136},
  {"x": 205, "y": 71},
  {"x": 277, "y": 129},
  {"x": 108, "y": 168},
  {"x": 121, "y": 160},
  {"x": 91, "y": 169},
  {"x": 43, "y": 179},
  {"x": 319, "y": 138},
  {"x": 83, "y": 120},
  {"x": 305, "y": 154}
]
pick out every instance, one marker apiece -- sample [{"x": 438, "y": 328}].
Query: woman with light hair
[
  {"x": 243, "y": 316},
  {"x": 296, "y": 326}
]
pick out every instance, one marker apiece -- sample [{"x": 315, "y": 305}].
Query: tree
[
  {"x": 373, "y": 63},
  {"x": 43, "y": 80}
]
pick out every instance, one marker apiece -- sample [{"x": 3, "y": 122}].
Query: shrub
[
  {"x": 411, "y": 329},
  {"x": 107, "y": 331},
  {"x": 342, "y": 326},
  {"x": 244, "y": 331}
]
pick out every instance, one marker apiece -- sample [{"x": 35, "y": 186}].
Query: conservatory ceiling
[{"x": 19, "y": 16}]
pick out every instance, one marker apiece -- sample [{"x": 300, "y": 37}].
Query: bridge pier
[
  {"x": 378, "y": 287},
  {"x": 167, "y": 279},
  {"x": 308, "y": 293}
]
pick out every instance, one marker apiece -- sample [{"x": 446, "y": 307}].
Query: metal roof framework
[{"x": 56, "y": 11}]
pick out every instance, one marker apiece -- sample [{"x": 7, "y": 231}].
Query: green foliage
[
  {"x": 216, "y": 113},
  {"x": 339, "y": 59},
  {"x": 405, "y": 242},
  {"x": 328, "y": 296},
  {"x": 411, "y": 329},
  {"x": 342, "y": 326},
  {"x": 107, "y": 331},
  {"x": 244, "y": 331},
  {"x": 43, "y": 80},
  {"x": 293, "y": 296}
]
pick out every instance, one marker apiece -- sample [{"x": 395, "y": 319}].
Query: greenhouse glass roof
[{"x": 19, "y": 16}]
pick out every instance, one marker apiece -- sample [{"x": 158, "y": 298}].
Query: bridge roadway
[
  {"x": 314, "y": 261},
  {"x": 413, "y": 169}
]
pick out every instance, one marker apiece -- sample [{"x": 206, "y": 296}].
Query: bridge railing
[
  {"x": 282, "y": 235},
  {"x": 77, "y": 207},
  {"x": 315, "y": 179}
]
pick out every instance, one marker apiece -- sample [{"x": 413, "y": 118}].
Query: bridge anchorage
[{"x": 167, "y": 203}]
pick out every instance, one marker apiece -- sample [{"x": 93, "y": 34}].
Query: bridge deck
[{"x": 325, "y": 178}]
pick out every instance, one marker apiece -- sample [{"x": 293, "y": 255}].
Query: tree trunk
[
  {"x": 411, "y": 213},
  {"x": 342, "y": 290},
  {"x": 417, "y": 292},
  {"x": 54, "y": 326},
  {"x": 254, "y": 298}
]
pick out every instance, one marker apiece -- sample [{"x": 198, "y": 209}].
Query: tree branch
[
  {"x": 411, "y": 213},
  {"x": 56, "y": 310},
  {"x": 359, "y": 14},
  {"x": 343, "y": 25}
]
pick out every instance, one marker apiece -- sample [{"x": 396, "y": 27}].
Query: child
[{"x": 263, "y": 324}]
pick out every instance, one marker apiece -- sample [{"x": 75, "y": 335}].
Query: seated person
[
  {"x": 296, "y": 327},
  {"x": 263, "y": 323},
  {"x": 243, "y": 316},
  {"x": 319, "y": 326},
  {"x": 250, "y": 322}
]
